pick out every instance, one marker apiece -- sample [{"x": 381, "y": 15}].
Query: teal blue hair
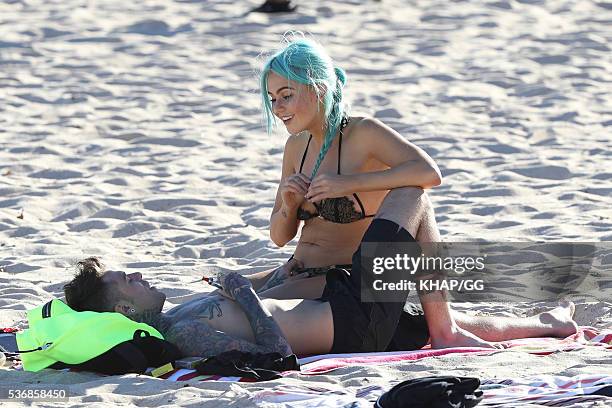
[{"x": 306, "y": 62}]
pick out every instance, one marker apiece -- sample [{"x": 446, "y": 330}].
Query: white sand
[{"x": 133, "y": 132}]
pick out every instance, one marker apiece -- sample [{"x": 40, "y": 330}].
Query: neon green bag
[{"x": 58, "y": 333}]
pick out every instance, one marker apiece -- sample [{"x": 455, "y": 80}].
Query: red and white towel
[{"x": 320, "y": 364}]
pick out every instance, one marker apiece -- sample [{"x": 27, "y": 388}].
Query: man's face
[{"x": 133, "y": 289}]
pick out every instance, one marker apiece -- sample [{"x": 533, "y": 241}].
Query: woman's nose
[{"x": 278, "y": 107}]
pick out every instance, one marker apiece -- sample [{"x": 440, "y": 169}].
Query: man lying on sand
[{"x": 237, "y": 319}]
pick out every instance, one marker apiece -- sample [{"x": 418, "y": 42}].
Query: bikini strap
[
  {"x": 343, "y": 124},
  {"x": 339, "y": 150},
  {"x": 360, "y": 205},
  {"x": 305, "y": 151}
]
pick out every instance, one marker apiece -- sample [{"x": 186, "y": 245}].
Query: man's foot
[
  {"x": 461, "y": 338},
  {"x": 270, "y": 6},
  {"x": 560, "y": 319}
]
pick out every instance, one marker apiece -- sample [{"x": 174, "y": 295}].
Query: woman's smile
[{"x": 286, "y": 119}]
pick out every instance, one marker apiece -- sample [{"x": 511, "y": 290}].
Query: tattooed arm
[
  {"x": 193, "y": 337},
  {"x": 265, "y": 329},
  {"x": 196, "y": 338}
]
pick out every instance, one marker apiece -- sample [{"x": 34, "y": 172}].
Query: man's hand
[
  {"x": 232, "y": 283},
  {"x": 268, "y": 335}
]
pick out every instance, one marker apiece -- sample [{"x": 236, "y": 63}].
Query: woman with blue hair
[
  {"x": 350, "y": 180},
  {"x": 336, "y": 169}
]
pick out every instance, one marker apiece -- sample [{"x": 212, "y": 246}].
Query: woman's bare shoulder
[
  {"x": 365, "y": 129},
  {"x": 374, "y": 138},
  {"x": 367, "y": 124}
]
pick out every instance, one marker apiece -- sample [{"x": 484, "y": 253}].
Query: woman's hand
[
  {"x": 293, "y": 190},
  {"x": 282, "y": 274},
  {"x": 330, "y": 186}
]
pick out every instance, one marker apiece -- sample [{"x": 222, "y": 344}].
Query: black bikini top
[{"x": 339, "y": 210}]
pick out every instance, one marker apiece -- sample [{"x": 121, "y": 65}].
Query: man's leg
[{"x": 339, "y": 322}]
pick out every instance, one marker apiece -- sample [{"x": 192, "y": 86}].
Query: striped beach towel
[
  {"x": 320, "y": 364},
  {"x": 546, "y": 390}
]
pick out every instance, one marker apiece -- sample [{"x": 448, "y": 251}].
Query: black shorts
[
  {"x": 366, "y": 327},
  {"x": 353, "y": 325}
]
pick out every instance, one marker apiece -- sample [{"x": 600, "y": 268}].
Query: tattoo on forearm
[
  {"x": 267, "y": 332},
  {"x": 284, "y": 213},
  {"x": 196, "y": 338}
]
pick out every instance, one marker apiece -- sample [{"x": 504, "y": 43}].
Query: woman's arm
[
  {"x": 409, "y": 165},
  {"x": 283, "y": 221}
]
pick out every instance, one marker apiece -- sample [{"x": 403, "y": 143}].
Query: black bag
[
  {"x": 8, "y": 342},
  {"x": 132, "y": 356},
  {"x": 257, "y": 366},
  {"x": 433, "y": 392}
]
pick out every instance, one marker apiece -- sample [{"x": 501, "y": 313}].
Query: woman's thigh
[{"x": 299, "y": 288}]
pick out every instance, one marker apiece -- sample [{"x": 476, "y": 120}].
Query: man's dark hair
[{"x": 87, "y": 291}]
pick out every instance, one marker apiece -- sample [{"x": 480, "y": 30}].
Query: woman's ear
[{"x": 319, "y": 92}]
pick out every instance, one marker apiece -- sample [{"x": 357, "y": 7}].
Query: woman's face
[{"x": 294, "y": 104}]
